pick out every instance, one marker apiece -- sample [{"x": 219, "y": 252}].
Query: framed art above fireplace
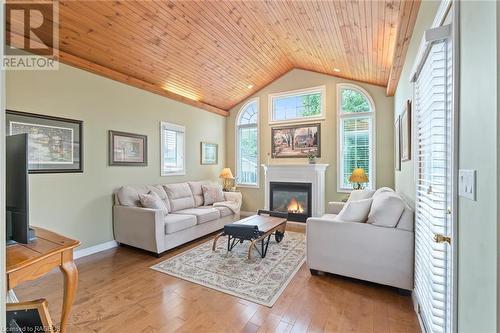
[{"x": 296, "y": 141}]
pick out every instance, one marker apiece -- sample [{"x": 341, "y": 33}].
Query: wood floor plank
[{"x": 118, "y": 290}]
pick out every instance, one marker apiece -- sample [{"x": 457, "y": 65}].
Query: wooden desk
[{"x": 26, "y": 262}]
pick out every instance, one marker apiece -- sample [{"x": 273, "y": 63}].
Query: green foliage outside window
[
  {"x": 311, "y": 104},
  {"x": 353, "y": 101}
]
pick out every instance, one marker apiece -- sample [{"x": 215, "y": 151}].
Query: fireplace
[{"x": 291, "y": 198}]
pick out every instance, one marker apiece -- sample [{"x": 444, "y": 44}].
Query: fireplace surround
[
  {"x": 313, "y": 174},
  {"x": 292, "y": 198}
]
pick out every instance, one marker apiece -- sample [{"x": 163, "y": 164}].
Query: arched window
[
  {"x": 247, "y": 144},
  {"x": 356, "y": 131}
]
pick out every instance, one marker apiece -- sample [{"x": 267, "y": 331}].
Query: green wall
[
  {"x": 253, "y": 198},
  {"x": 80, "y": 205},
  {"x": 405, "y": 179},
  {"x": 478, "y": 141}
]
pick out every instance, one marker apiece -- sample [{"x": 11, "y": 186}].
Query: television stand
[{"x": 27, "y": 262}]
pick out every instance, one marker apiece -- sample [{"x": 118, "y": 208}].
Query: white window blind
[
  {"x": 433, "y": 87},
  {"x": 356, "y": 135},
  {"x": 172, "y": 149},
  {"x": 247, "y": 145}
]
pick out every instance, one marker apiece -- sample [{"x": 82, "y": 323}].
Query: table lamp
[
  {"x": 227, "y": 179},
  {"x": 357, "y": 177}
]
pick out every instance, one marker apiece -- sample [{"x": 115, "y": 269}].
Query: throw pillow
[
  {"x": 360, "y": 195},
  {"x": 355, "y": 211},
  {"x": 386, "y": 209},
  {"x": 152, "y": 200},
  {"x": 212, "y": 194}
]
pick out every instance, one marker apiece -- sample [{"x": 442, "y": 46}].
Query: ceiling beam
[{"x": 403, "y": 37}]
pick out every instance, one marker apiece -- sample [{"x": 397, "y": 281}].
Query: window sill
[
  {"x": 247, "y": 186},
  {"x": 177, "y": 173},
  {"x": 304, "y": 120}
]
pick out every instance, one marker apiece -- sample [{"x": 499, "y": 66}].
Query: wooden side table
[{"x": 26, "y": 262}]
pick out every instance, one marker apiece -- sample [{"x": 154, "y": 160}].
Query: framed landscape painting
[
  {"x": 209, "y": 153},
  {"x": 127, "y": 149},
  {"x": 406, "y": 132},
  {"x": 297, "y": 141},
  {"x": 55, "y": 145}
]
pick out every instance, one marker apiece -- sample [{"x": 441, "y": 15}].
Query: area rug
[{"x": 259, "y": 280}]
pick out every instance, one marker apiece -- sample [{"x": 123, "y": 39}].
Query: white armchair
[{"x": 362, "y": 250}]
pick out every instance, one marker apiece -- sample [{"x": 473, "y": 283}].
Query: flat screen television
[{"x": 17, "y": 189}]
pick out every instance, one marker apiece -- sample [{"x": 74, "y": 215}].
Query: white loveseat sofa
[
  {"x": 363, "y": 251},
  {"x": 187, "y": 218}
]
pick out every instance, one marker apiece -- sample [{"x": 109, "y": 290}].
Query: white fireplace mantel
[{"x": 299, "y": 173}]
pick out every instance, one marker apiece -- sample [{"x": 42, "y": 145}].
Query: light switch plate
[{"x": 467, "y": 184}]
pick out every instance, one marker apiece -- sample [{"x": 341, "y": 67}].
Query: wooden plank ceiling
[{"x": 214, "y": 54}]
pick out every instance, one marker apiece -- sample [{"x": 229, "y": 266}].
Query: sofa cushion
[
  {"x": 203, "y": 214},
  {"x": 406, "y": 220},
  {"x": 224, "y": 211},
  {"x": 152, "y": 200},
  {"x": 382, "y": 189},
  {"x": 178, "y": 222},
  {"x": 387, "y": 208},
  {"x": 197, "y": 191},
  {"x": 212, "y": 194},
  {"x": 179, "y": 196},
  {"x": 128, "y": 195},
  {"x": 160, "y": 191},
  {"x": 355, "y": 211},
  {"x": 360, "y": 195}
]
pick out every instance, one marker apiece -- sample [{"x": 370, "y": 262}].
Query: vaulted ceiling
[{"x": 214, "y": 54}]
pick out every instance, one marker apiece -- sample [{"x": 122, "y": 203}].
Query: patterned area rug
[{"x": 258, "y": 280}]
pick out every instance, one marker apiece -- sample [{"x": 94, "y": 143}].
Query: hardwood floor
[{"x": 119, "y": 293}]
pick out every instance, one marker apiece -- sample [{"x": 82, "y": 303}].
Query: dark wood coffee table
[{"x": 267, "y": 225}]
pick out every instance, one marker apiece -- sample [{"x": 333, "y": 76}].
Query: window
[
  {"x": 298, "y": 105},
  {"x": 247, "y": 144},
  {"x": 172, "y": 149},
  {"x": 356, "y": 128}
]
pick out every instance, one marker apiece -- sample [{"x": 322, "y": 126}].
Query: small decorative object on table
[
  {"x": 227, "y": 180},
  {"x": 357, "y": 178},
  {"x": 311, "y": 155}
]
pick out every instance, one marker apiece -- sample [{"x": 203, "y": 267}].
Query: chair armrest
[
  {"x": 233, "y": 196},
  {"x": 334, "y": 207},
  {"x": 139, "y": 227}
]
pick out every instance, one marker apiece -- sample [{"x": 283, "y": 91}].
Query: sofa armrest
[
  {"x": 334, "y": 207},
  {"x": 139, "y": 227}
]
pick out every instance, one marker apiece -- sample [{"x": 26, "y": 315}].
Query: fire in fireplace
[{"x": 291, "y": 198}]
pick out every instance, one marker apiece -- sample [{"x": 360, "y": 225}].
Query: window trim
[
  {"x": 237, "y": 142},
  {"x": 321, "y": 116},
  {"x": 177, "y": 128},
  {"x": 373, "y": 127}
]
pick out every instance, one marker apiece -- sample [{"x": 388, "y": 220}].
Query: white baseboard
[{"x": 94, "y": 249}]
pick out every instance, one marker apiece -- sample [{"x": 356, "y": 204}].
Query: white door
[{"x": 433, "y": 116}]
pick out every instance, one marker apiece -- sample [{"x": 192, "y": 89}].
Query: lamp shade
[
  {"x": 226, "y": 174},
  {"x": 358, "y": 176}
]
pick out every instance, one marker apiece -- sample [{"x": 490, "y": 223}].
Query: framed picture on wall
[
  {"x": 397, "y": 144},
  {"x": 55, "y": 145},
  {"x": 127, "y": 149},
  {"x": 406, "y": 132},
  {"x": 299, "y": 141},
  {"x": 209, "y": 153}
]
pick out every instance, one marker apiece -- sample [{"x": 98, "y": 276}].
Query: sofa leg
[
  {"x": 159, "y": 255},
  {"x": 314, "y": 271}
]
